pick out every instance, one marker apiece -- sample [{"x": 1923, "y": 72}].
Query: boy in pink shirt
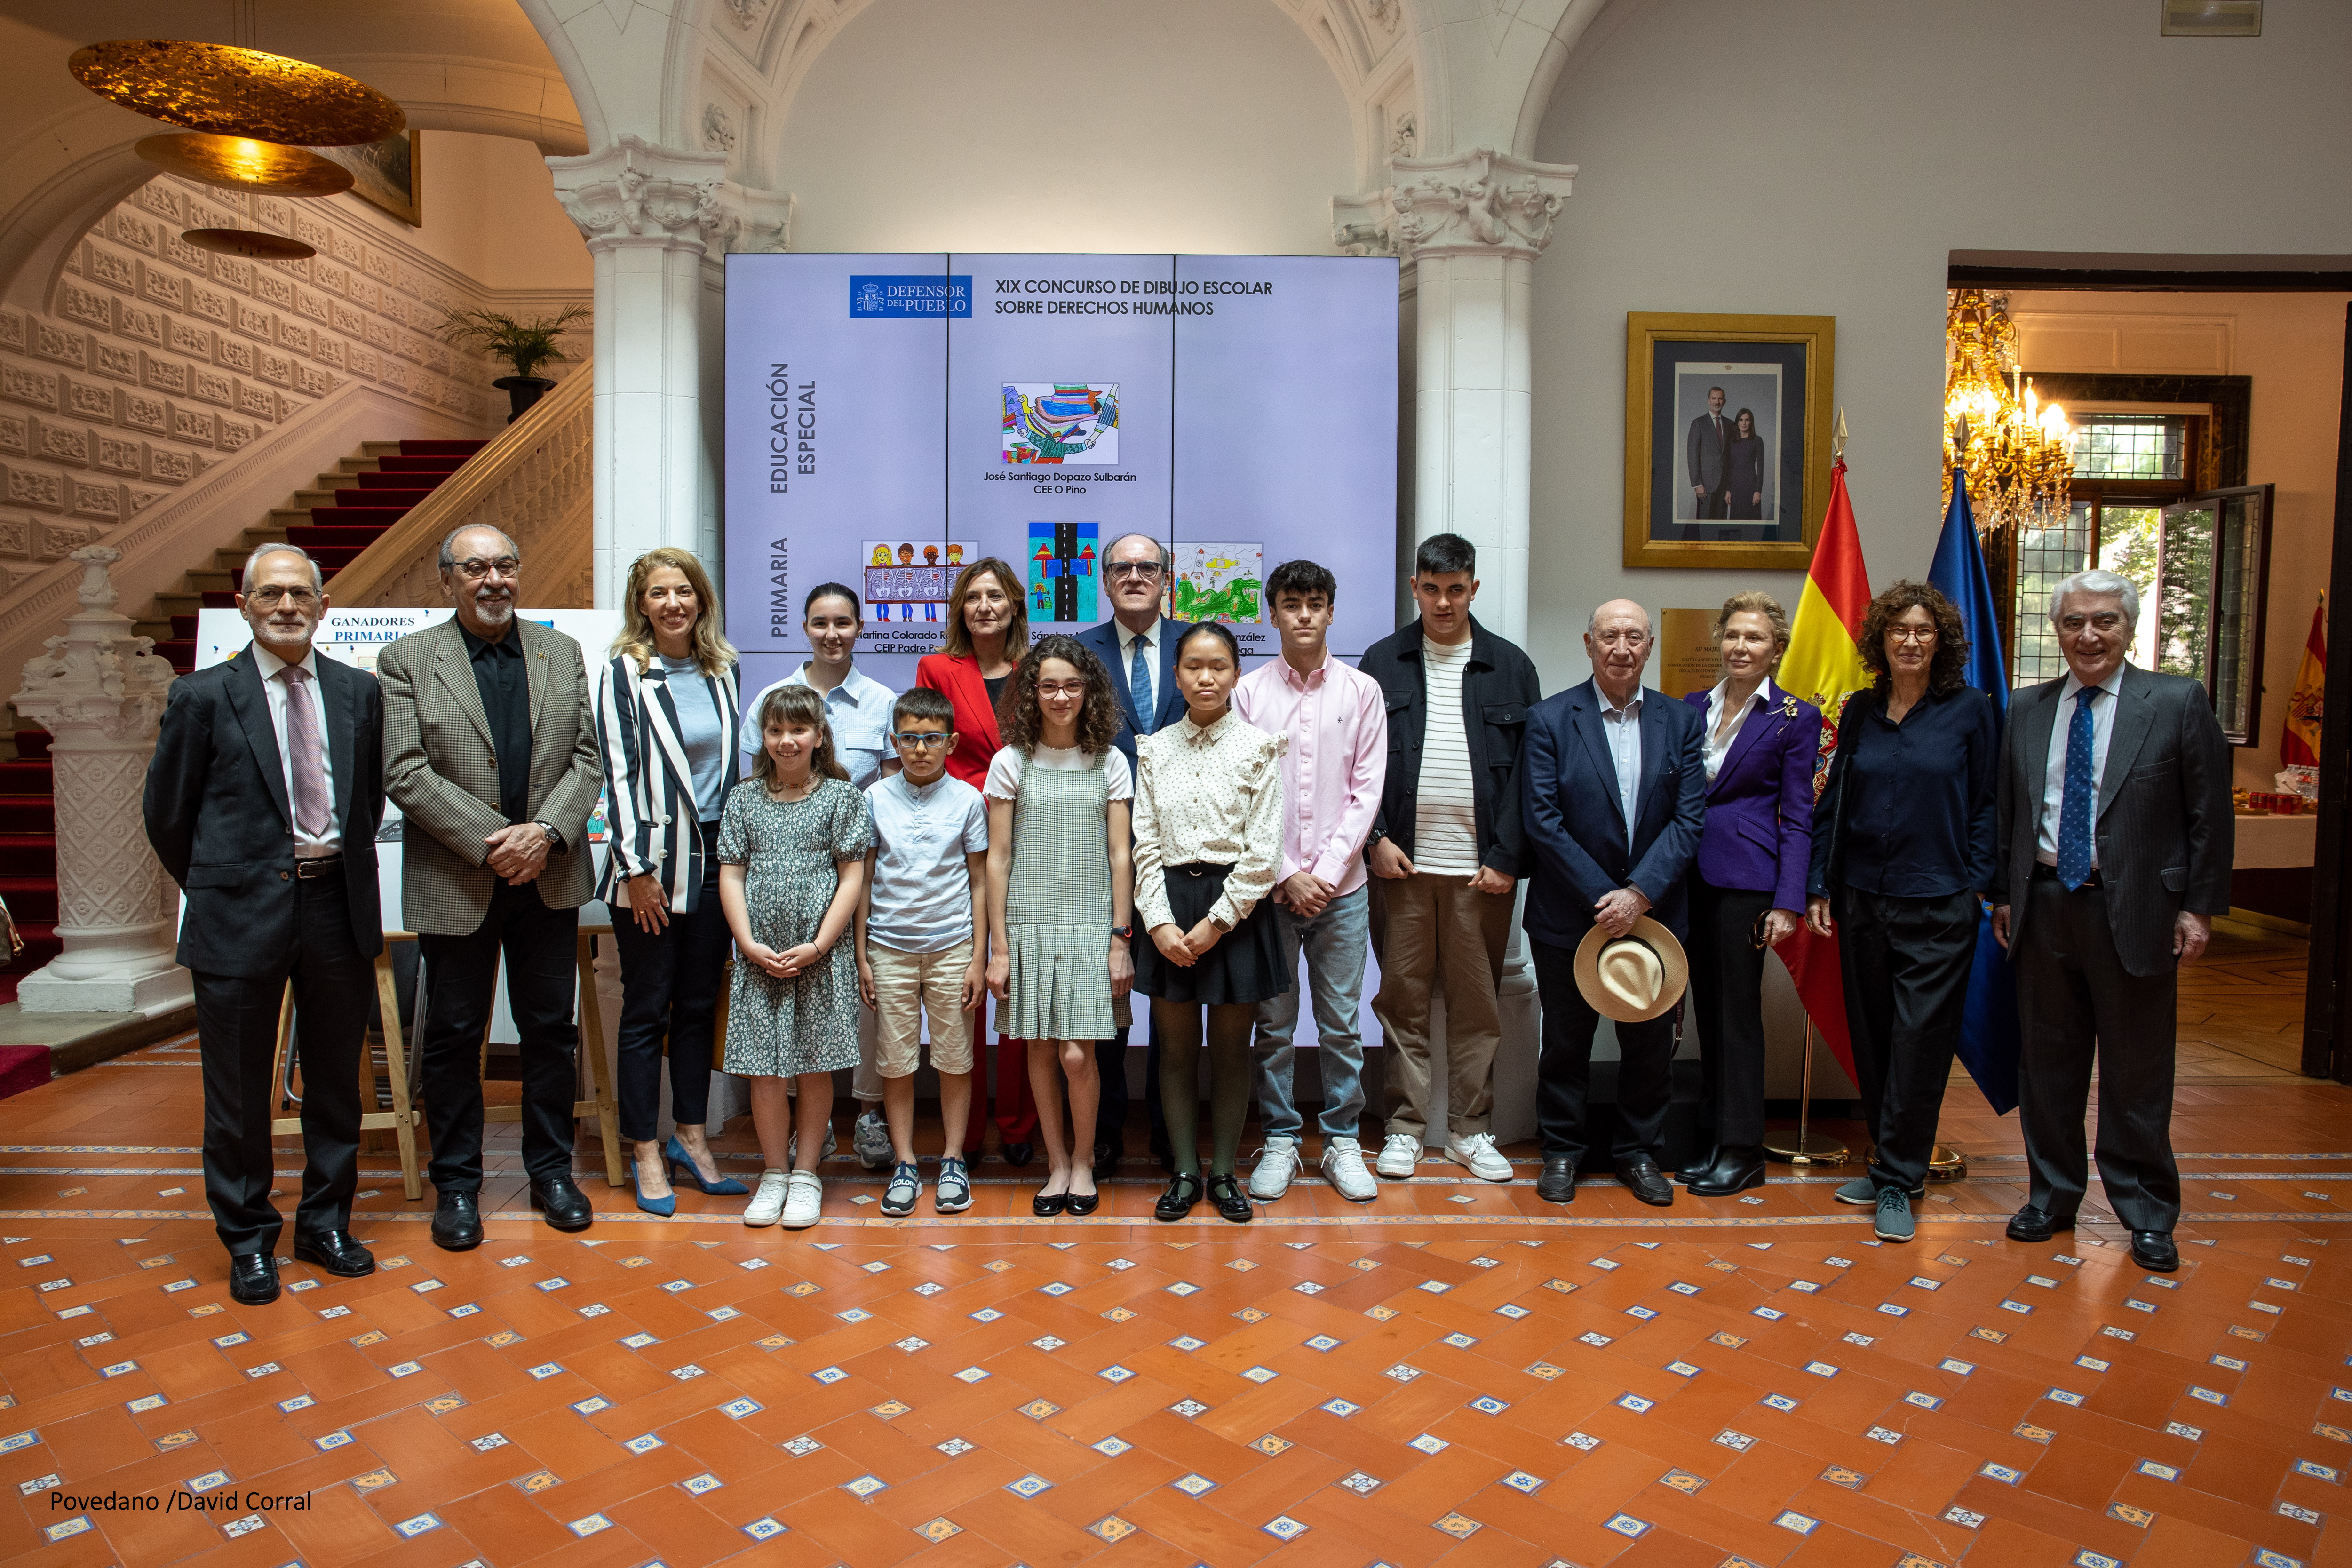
[{"x": 1337, "y": 721}]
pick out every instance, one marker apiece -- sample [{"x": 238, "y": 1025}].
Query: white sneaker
[
  {"x": 1477, "y": 1152},
  {"x": 768, "y": 1203},
  {"x": 793, "y": 1147},
  {"x": 1275, "y": 1167},
  {"x": 1343, "y": 1167},
  {"x": 1400, "y": 1157},
  {"x": 804, "y": 1200}
]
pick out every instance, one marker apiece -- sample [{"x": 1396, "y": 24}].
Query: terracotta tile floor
[{"x": 1455, "y": 1372}]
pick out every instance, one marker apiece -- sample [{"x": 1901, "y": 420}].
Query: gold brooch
[{"x": 1788, "y": 705}]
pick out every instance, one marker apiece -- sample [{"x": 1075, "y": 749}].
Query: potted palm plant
[{"x": 524, "y": 345}]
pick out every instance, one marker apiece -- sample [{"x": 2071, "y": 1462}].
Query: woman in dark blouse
[
  {"x": 1743, "y": 469},
  {"x": 1903, "y": 840}
]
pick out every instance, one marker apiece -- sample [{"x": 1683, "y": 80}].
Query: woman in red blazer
[{"x": 988, "y": 631}]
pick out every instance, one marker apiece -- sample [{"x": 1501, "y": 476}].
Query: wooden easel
[
  {"x": 401, "y": 1120},
  {"x": 599, "y": 1104}
]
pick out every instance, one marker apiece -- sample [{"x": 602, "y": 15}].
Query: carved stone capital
[
  {"x": 1477, "y": 203},
  {"x": 632, "y": 193},
  {"x": 1363, "y": 225},
  {"x": 101, "y": 686}
]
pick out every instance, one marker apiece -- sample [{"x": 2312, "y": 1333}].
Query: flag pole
[{"x": 1808, "y": 1148}]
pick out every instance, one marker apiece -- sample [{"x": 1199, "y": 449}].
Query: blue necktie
[
  {"x": 1139, "y": 681},
  {"x": 2075, "y": 802}
]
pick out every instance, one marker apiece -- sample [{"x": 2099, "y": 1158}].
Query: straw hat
[{"x": 1633, "y": 977}]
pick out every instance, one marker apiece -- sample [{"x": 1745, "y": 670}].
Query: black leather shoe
[
  {"x": 1045, "y": 1205},
  {"x": 252, "y": 1278},
  {"x": 1019, "y": 1154},
  {"x": 562, "y": 1202},
  {"x": 2153, "y": 1250},
  {"x": 1558, "y": 1183},
  {"x": 1735, "y": 1170},
  {"x": 1105, "y": 1161},
  {"x": 2030, "y": 1224},
  {"x": 457, "y": 1223},
  {"x": 1647, "y": 1182},
  {"x": 336, "y": 1252},
  {"x": 1177, "y": 1202},
  {"x": 1699, "y": 1167},
  {"x": 1231, "y": 1202}
]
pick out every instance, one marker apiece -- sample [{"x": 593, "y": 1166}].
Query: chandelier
[{"x": 2014, "y": 452}]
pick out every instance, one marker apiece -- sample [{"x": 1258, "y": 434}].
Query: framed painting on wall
[
  {"x": 1727, "y": 438},
  {"x": 389, "y": 174}
]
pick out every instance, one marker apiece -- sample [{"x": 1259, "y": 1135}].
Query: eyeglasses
[
  {"x": 920, "y": 740},
  {"x": 269, "y": 598},
  {"x": 2106, "y": 621},
  {"x": 475, "y": 571},
  {"x": 1922, "y": 635},
  {"x": 1132, "y": 569},
  {"x": 1061, "y": 689}
]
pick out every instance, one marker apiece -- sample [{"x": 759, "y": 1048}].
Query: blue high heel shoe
[
  {"x": 662, "y": 1206},
  {"x": 724, "y": 1187}
]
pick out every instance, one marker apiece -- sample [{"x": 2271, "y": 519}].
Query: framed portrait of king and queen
[{"x": 1727, "y": 438}]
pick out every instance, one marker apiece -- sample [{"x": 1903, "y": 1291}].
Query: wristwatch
[
  {"x": 1124, "y": 933},
  {"x": 554, "y": 837}
]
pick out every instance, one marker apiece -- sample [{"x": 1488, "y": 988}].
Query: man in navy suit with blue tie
[
  {"x": 1615, "y": 802},
  {"x": 1139, "y": 646}
]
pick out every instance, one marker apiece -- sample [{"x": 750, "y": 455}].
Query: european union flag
[{"x": 1990, "y": 1037}]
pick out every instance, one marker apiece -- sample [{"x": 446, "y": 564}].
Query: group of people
[{"x": 882, "y": 867}]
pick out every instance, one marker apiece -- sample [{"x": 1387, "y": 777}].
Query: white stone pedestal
[{"x": 100, "y": 693}]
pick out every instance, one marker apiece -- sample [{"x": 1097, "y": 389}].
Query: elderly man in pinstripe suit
[{"x": 490, "y": 754}]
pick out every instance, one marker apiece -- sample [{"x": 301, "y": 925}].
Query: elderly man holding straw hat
[{"x": 1615, "y": 803}]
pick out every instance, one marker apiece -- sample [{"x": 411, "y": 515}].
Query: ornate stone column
[
  {"x": 658, "y": 222},
  {"x": 1470, "y": 227},
  {"x": 100, "y": 693}
]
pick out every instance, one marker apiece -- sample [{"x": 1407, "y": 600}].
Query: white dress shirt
[
  {"x": 1623, "y": 726},
  {"x": 266, "y": 665},
  {"x": 1147, "y": 701},
  {"x": 1720, "y": 747},
  {"x": 2053, "y": 788},
  {"x": 858, "y": 711}
]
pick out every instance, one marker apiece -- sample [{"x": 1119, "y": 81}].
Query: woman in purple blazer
[{"x": 1748, "y": 885}]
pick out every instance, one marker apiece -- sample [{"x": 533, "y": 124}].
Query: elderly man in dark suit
[
  {"x": 262, "y": 801},
  {"x": 2115, "y": 838},
  {"x": 491, "y": 755},
  {"x": 1704, "y": 455},
  {"x": 1138, "y": 645},
  {"x": 1615, "y": 802}
]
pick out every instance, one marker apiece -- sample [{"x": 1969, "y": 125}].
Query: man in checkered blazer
[{"x": 490, "y": 754}]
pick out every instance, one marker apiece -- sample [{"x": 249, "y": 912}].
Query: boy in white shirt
[{"x": 922, "y": 940}]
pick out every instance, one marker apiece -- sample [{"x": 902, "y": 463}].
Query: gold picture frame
[
  {"x": 1689, "y": 379},
  {"x": 389, "y": 174}
]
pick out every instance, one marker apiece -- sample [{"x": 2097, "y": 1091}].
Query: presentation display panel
[{"x": 891, "y": 418}]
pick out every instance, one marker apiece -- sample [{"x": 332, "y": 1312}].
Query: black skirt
[{"x": 1244, "y": 966}]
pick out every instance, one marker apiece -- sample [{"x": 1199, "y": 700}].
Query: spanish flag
[
  {"x": 1824, "y": 666},
  {"x": 2299, "y": 742}
]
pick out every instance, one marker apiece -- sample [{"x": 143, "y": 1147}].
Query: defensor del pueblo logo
[{"x": 1062, "y": 422}]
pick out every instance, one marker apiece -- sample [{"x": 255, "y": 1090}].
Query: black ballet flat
[
  {"x": 1046, "y": 1206},
  {"x": 1226, "y": 1194},
  {"x": 1183, "y": 1191},
  {"x": 1083, "y": 1202}
]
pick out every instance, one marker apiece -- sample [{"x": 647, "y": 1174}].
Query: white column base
[{"x": 147, "y": 995}]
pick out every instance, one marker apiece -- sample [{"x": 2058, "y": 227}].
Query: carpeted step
[
  {"x": 315, "y": 539},
  {"x": 375, "y": 517},
  {"x": 28, "y": 855},
  {"x": 26, "y": 775},
  {"x": 420, "y": 475},
  {"x": 184, "y": 628},
  {"x": 180, "y": 652},
  {"x": 32, "y": 742},
  {"x": 373, "y": 499},
  {"x": 31, "y": 899},
  {"x": 441, "y": 449},
  {"x": 23, "y": 1067},
  {"x": 444, "y": 466},
  {"x": 27, "y": 813}
]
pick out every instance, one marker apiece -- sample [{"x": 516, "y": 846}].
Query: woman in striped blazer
[{"x": 667, "y": 724}]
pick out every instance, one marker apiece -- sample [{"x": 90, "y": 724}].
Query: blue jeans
[{"x": 1336, "y": 941}]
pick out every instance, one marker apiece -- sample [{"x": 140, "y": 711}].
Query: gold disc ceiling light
[{"x": 254, "y": 116}]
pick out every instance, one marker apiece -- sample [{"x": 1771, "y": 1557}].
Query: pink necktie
[{"x": 310, "y": 758}]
